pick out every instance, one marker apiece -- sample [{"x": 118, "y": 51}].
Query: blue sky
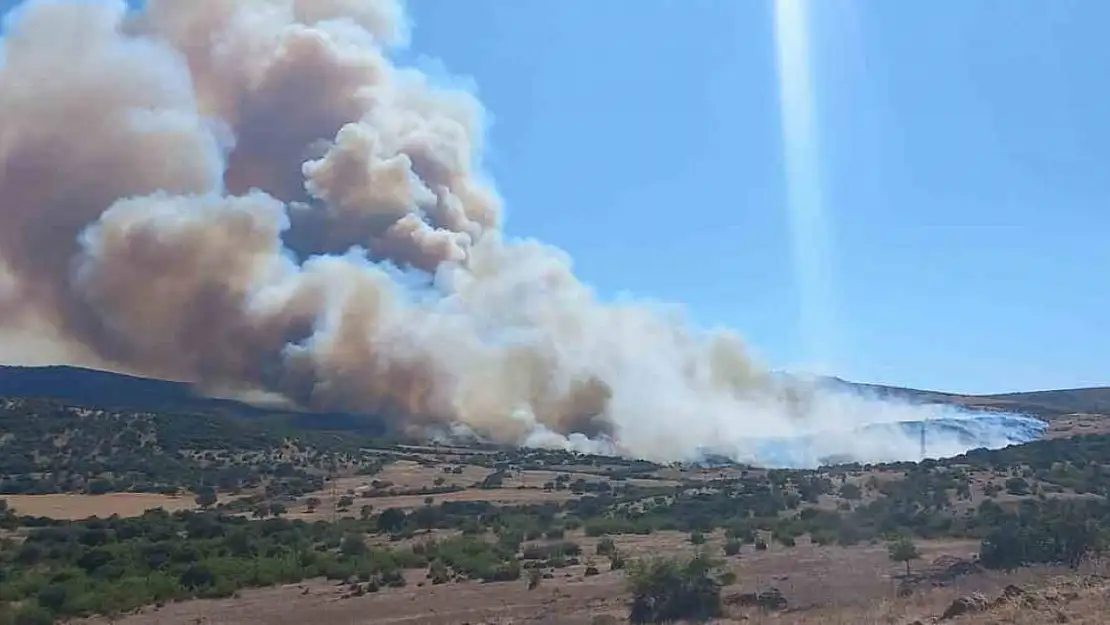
[
  {"x": 964, "y": 147},
  {"x": 964, "y": 153}
]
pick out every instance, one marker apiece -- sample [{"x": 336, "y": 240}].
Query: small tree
[
  {"x": 206, "y": 497},
  {"x": 732, "y": 547},
  {"x": 1017, "y": 486},
  {"x": 666, "y": 590},
  {"x": 391, "y": 520},
  {"x": 903, "y": 549},
  {"x": 851, "y": 491},
  {"x": 353, "y": 545},
  {"x": 605, "y": 546}
]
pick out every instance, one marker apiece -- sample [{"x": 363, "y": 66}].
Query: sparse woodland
[{"x": 1045, "y": 502}]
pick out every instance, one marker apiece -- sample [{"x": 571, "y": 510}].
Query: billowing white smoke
[{"x": 249, "y": 194}]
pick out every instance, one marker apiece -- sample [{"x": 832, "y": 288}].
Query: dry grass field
[
  {"x": 72, "y": 507},
  {"x": 1077, "y": 424}
]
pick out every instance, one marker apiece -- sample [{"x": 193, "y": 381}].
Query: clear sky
[{"x": 964, "y": 147}]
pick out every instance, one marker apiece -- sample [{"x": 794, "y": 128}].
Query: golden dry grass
[
  {"x": 409, "y": 474},
  {"x": 73, "y": 507}
]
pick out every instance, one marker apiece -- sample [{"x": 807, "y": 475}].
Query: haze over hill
[{"x": 995, "y": 419}]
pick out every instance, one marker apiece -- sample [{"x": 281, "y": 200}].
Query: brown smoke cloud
[{"x": 249, "y": 194}]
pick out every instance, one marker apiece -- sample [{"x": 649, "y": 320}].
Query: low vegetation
[
  {"x": 268, "y": 511},
  {"x": 665, "y": 590}
]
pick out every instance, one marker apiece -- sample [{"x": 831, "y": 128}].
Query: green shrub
[
  {"x": 732, "y": 547},
  {"x": 666, "y": 590},
  {"x": 605, "y": 546}
]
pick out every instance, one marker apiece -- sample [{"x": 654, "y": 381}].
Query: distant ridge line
[{"x": 105, "y": 389}]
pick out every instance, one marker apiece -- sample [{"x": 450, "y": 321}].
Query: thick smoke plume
[{"x": 249, "y": 194}]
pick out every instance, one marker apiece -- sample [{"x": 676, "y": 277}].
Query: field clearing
[
  {"x": 74, "y": 507},
  {"x": 409, "y": 474},
  {"x": 824, "y": 585}
]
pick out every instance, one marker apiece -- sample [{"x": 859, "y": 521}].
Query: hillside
[
  {"x": 247, "y": 504},
  {"x": 101, "y": 389},
  {"x": 327, "y": 527},
  {"x": 1048, "y": 405},
  {"x": 106, "y": 390}
]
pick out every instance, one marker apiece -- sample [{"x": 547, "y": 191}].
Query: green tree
[
  {"x": 1017, "y": 486},
  {"x": 903, "y": 549},
  {"x": 353, "y": 545},
  {"x": 391, "y": 520},
  {"x": 605, "y": 546},
  {"x": 732, "y": 547},
  {"x": 851, "y": 491},
  {"x": 206, "y": 497},
  {"x": 665, "y": 590}
]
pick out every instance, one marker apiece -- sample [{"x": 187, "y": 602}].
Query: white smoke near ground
[{"x": 251, "y": 196}]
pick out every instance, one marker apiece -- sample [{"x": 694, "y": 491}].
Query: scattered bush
[{"x": 666, "y": 590}]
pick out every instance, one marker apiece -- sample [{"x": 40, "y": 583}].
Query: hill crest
[{"x": 104, "y": 389}]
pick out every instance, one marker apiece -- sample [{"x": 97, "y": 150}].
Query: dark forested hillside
[
  {"x": 103, "y": 389},
  {"x": 106, "y": 390}
]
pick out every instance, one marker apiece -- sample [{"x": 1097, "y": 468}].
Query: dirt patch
[{"x": 74, "y": 507}]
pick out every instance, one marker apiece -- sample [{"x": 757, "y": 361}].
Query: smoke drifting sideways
[{"x": 250, "y": 195}]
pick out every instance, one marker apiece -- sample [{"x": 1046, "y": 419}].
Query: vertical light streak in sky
[{"x": 809, "y": 236}]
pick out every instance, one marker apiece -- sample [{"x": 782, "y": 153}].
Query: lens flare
[{"x": 809, "y": 235}]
